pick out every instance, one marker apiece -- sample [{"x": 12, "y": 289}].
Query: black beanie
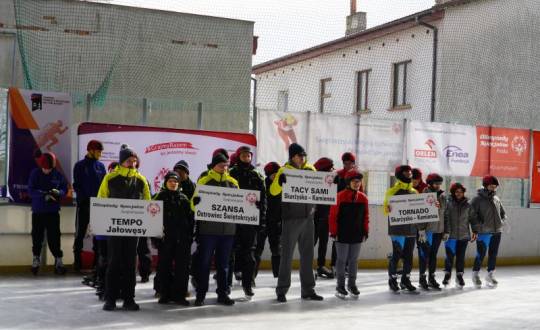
[
  {"x": 218, "y": 158},
  {"x": 182, "y": 165},
  {"x": 296, "y": 149},
  {"x": 399, "y": 173},
  {"x": 171, "y": 175},
  {"x": 125, "y": 153}
]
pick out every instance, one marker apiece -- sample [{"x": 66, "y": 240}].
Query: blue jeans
[{"x": 221, "y": 246}]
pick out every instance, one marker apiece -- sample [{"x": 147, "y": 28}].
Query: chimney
[{"x": 356, "y": 21}]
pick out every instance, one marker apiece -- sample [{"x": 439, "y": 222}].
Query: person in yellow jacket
[
  {"x": 298, "y": 228},
  {"x": 127, "y": 183}
]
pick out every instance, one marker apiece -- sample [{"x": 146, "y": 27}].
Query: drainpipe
[
  {"x": 434, "y": 69},
  {"x": 254, "y": 131}
]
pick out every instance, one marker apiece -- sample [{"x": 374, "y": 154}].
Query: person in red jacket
[
  {"x": 349, "y": 227},
  {"x": 417, "y": 181}
]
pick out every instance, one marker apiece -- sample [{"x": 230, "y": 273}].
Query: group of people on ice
[{"x": 236, "y": 249}]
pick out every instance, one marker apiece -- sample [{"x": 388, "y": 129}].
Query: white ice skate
[
  {"x": 476, "y": 280},
  {"x": 341, "y": 293},
  {"x": 491, "y": 281}
]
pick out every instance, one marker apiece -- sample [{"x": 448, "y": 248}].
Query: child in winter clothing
[
  {"x": 175, "y": 247},
  {"x": 349, "y": 226},
  {"x": 459, "y": 219},
  {"x": 46, "y": 187}
]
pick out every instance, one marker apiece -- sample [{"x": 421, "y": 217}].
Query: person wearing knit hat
[
  {"x": 418, "y": 181},
  {"x": 403, "y": 236},
  {"x": 492, "y": 217},
  {"x": 46, "y": 187},
  {"x": 175, "y": 246},
  {"x": 349, "y": 162},
  {"x": 214, "y": 238},
  {"x": 246, "y": 235},
  {"x": 320, "y": 217},
  {"x": 459, "y": 220},
  {"x": 428, "y": 250},
  {"x": 298, "y": 228},
  {"x": 124, "y": 182},
  {"x": 87, "y": 176},
  {"x": 186, "y": 185},
  {"x": 349, "y": 227},
  {"x": 273, "y": 223}
]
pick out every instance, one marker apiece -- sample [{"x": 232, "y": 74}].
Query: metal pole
[
  {"x": 434, "y": 68},
  {"x": 199, "y": 116},
  {"x": 13, "y": 61},
  {"x": 254, "y": 106},
  {"x": 145, "y": 111},
  {"x": 88, "y": 106}
]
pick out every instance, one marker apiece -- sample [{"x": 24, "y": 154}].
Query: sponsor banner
[
  {"x": 330, "y": 136},
  {"x": 535, "y": 177},
  {"x": 309, "y": 187},
  {"x": 229, "y": 205},
  {"x": 126, "y": 217},
  {"x": 159, "y": 149},
  {"x": 380, "y": 145},
  {"x": 413, "y": 208},
  {"x": 39, "y": 122}
]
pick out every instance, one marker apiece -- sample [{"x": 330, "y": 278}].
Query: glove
[
  {"x": 445, "y": 237},
  {"x": 49, "y": 198},
  {"x": 258, "y": 205},
  {"x": 282, "y": 179},
  {"x": 55, "y": 193},
  {"x": 422, "y": 238},
  {"x": 196, "y": 200}
]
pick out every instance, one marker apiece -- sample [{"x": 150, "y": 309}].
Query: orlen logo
[
  {"x": 426, "y": 153},
  {"x": 456, "y": 154}
]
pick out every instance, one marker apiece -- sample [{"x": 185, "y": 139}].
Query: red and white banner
[
  {"x": 535, "y": 176},
  {"x": 460, "y": 150}
]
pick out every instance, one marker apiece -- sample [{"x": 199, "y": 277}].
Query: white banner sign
[
  {"x": 380, "y": 144},
  {"x": 126, "y": 217},
  {"x": 309, "y": 187},
  {"x": 220, "y": 204},
  {"x": 413, "y": 208}
]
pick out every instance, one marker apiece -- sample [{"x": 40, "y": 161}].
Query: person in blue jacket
[
  {"x": 46, "y": 187},
  {"x": 87, "y": 176}
]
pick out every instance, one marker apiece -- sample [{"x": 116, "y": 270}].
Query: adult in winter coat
[
  {"x": 46, "y": 187},
  {"x": 175, "y": 247},
  {"x": 246, "y": 235},
  {"x": 459, "y": 221},
  {"x": 297, "y": 229},
  {"x": 272, "y": 230},
  {"x": 125, "y": 182},
  {"x": 491, "y": 218},
  {"x": 403, "y": 236},
  {"x": 321, "y": 223},
  {"x": 87, "y": 176},
  {"x": 349, "y": 227},
  {"x": 427, "y": 252}
]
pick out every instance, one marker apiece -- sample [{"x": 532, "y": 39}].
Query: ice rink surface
[{"x": 49, "y": 302}]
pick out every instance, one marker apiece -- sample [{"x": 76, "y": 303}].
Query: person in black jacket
[
  {"x": 246, "y": 235},
  {"x": 186, "y": 185},
  {"x": 320, "y": 219},
  {"x": 175, "y": 247},
  {"x": 273, "y": 223}
]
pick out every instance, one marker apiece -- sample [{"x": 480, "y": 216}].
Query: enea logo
[
  {"x": 456, "y": 155},
  {"x": 430, "y": 152}
]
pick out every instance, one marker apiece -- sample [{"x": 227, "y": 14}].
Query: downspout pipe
[{"x": 435, "y": 61}]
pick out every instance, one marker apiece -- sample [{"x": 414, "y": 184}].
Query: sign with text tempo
[
  {"x": 413, "y": 208},
  {"x": 309, "y": 187},
  {"x": 229, "y": 205},
  {"x": 126, "y": 217}
]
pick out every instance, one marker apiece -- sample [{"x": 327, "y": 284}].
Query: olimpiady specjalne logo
[
  {"x": 430, "y": 200},
  {"x": 153, "y": 209},
  {"x": 251, "y": 198},
  {"x": 429, "y": 152},
  {"x": 519, "y": 144},
  {"x": 329, "y": 180}
]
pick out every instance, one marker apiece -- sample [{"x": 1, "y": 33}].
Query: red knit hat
[
  {"x": 416, "y": 174},
  {"x": 47, "y": 161},
  {"x": 271, "y": 168},
  {"x": 348, "y": 156},
  {"x": 456, "y": 186},
  {"x": 489, "y": 180},
  {"x": 352, "y": 175},
  {"x": 434, "y": 178},
  {"x": 233, "y": 159},
  {"x": 324, "y": 164},
  {"x": 94, "y": 145}
]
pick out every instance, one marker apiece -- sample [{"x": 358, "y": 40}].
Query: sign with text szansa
[
  {"x": 309, "y": 187},
  {"x": 229, "y": 205},
  {"x": 126, "y": 217},
  {"x": 413, "y": 208}
]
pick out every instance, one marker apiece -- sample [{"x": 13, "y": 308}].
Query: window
[
  {"x": 399, "y": 98},
  {"x": 326, "y": 94},
  {"x": 362, "y": 85},
  {"x": 283, "y": 101}
]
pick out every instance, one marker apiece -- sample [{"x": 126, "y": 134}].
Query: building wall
[
  {"x": 302, "y": 80},
  {"x": 489, "y": 66}
]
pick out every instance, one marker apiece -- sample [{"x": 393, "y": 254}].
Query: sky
[{"x": 284, "y": 27}]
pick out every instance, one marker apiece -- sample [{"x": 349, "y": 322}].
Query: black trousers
[
  {"x": 102, "y": 261},
  {"x": 427, "y": 252},
  {"x": 121, "y": 268},
  {"x": 455, "y": 249},
  {"x": 402, "y": 248},
  {"x": 321, "y": 237},
  {"x": 50, "y": 223},
  {"x": 245, "y": 243},
  {"x": 145, "y": 257},
  {"x": 82, "y": 219},
  {"x": 272, "y": 231},
  {"x": 173, "y": 267}
]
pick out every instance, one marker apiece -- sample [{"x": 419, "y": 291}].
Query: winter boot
[
  {"x": 324, "y": 272},
  {"x": 460, "y": 283},
  {"x": 110, "y": 305},
  {"x": 490, "y": 280},
  {"x": 423, "y": 282},
  {"x": 432, "y": 282},
  {"x": 225, "y": 300},
  {"x": 341, "y": 293},
  {"x": 130, "y": 305},
  {"x": 476, "y": 280},
  {"x": 393, "y": 284},
  {"x": 248, "y": 292},
  {"x": 354, "y": 291},
  {"x": 447, "y": 277},
  {"x": 36, "y": 262},
  {"x": 406, "y": 284}
]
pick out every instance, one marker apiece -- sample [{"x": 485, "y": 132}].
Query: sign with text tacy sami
[
  {"x": 126, "y": 217},
  {"x": 413, "y": 208},
  {"x": 309, "y": 187},
  {"x": 229, "y": 205}
]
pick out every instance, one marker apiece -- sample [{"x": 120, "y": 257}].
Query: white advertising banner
[
  {"x": 413, "y": 208},
  {"x": 126, "y": 217},
  {"x": 309, "y": 187},
  {"x": 380, "y": 145},
  {"x": 220, "y": 204},
  {"x": 330, "y": 136}
]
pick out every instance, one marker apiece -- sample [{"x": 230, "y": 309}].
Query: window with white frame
[
  {"x": 400, "y": 84},
  {"x": 325, "y": 94},
  {"x": 283, "y": 101},
  {"x": 362, "y": 87}
]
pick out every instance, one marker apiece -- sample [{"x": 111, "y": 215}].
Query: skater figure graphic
[
  {"x": 285, "y": 129},
  {"x": 48, "y": 138}
]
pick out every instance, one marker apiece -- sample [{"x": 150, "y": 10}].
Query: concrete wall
[{"x": 302, "y": 80}]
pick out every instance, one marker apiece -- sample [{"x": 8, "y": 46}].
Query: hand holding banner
[
  {"x": 229, "y": 205},
  {"x": 309, "y": 187},
  {"x": 413, "y": 208}
]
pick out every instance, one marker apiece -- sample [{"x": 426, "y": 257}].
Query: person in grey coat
[
  {"x": 491, "y": 217},
  {"x": 459, "y": 221},
  {"x": 297, "y": 228}
]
